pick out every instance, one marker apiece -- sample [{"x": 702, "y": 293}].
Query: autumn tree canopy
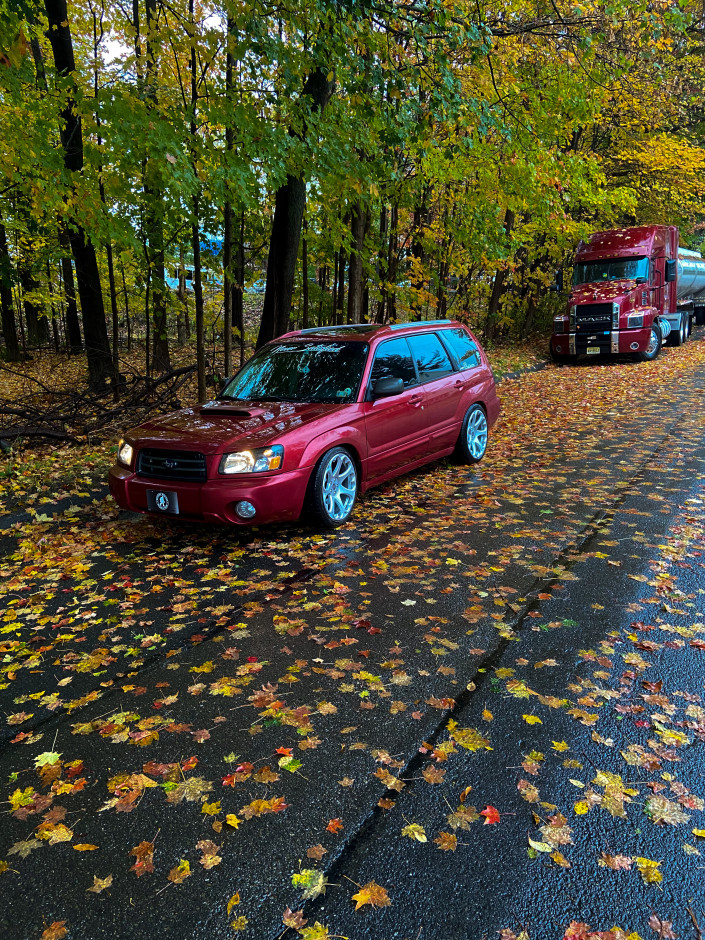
[{"x": 363, "y": 161}]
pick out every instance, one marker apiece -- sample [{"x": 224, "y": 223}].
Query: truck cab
[{"x": 624, "y": 297}]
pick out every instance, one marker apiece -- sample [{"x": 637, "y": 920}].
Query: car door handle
[{"x": 416, "y": 400}]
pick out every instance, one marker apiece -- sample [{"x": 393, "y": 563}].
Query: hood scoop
[{"x": 215, "y": 408}]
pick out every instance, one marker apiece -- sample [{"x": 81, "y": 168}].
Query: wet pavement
[{"x": 199, "y": 719}]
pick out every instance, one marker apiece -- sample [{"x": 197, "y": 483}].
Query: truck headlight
[
  {"x": 125, "y": 453},
  {"x": 615, "y": 316},
  {"x": 572, "y": 317},
  {"x": 635, "y": 321},
  {"x": 559, "y": 324},
  {"x": 253, "y": 461}
]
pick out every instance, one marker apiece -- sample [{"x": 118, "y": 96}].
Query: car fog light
[
  {"x": 245, "y": 509},
  {"x": 559, "y": 349},
  {"x": 634, "y": 346}
]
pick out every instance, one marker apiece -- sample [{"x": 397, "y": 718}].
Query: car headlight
[
  {"x": 635, "y": 320},
  {"x": 125, "y": 453},
  {"x": 253, "y": 461}
]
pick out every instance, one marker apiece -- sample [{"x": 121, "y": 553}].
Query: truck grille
[
  {"x": 593, "y": 317},
  {"x": 171, "y": 464}
]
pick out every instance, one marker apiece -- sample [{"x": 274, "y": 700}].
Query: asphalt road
[{"x": 200, "y": 719}]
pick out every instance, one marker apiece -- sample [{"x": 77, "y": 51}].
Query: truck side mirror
[{"x": 671, "y": 270}]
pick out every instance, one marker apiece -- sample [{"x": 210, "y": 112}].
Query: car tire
[
  {"x": 474, "y": 431},
  {"x": 654, "y": 347},
  {"x": 334, "y": 487}
]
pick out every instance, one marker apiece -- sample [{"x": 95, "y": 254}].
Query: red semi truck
[{"x": 633, "y": 289}]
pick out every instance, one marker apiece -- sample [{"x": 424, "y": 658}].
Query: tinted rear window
[
  {"x": 431, "y": 358},
  {"x": 465, "y": 349}
]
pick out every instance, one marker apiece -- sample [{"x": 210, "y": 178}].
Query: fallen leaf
[
  {"x": 372, "y": 894},
  {"x": 100, "y": 884}
]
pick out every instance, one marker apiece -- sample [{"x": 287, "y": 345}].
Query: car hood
[
  {"x": 218, "y": 425},
  {"x": 602, "y": 291}
]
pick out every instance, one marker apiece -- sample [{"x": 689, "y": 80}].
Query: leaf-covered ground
[{"x": 489, "y": 680}]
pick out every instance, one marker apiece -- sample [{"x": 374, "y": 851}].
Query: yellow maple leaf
[
  {"x": 211, "y": 809},
  {"x": 560, "y": 746},
  {"x": 415, "y": 831},
  {"x": 532, "y": 719}
]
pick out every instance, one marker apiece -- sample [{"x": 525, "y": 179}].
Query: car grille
[
  {"x": 171, "y": 464},
  {"x": 593, "y": 317}
]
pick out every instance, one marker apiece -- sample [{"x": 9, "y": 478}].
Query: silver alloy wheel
[
  {"x": 653, "y": 343},
  {"x": 339, "y": 486},
  {"x": 476, "y": 433}
]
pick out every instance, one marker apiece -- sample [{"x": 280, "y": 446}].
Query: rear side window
[
  {"x": 393, "y": 360},
  {"x": 465, "y": 349},
  {"x": 431, "y": 358}
]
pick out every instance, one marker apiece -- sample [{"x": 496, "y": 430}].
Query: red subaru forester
[{"x": 314, "y": 418}]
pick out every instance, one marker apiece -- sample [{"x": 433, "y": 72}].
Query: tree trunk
[
  {"x": 228, "y": 214},
  {"x": 87, "y": 274},
  {"x": 73, "y": 327},
  {"x": 154, "y": 216},
  {"x": 127, "y": 308},
  {"x": 322, "y": 283},
  {"x": 304, "y": 271},
  {"x": 195, "y": 225},
  {"x": 358, "y": 225},
  {"x": 418, "y": 256},
  {"x": 334, "y": 292},
  {"x": 239, "y": 291},
  {"x": 342, "y": 264},
  {"x": 498, "y": 285},
  {"x": 33, "y": 314},
  {"x": 7, "y": 307},
  {"x": 392, "y": 262},
  {"x": 381, "y": 266},
  {"x": 286, "y": 229}
]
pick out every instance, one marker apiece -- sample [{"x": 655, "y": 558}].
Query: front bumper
[
  {"x": 614, "y": 342},
  {"x": 275, "y": 496}
]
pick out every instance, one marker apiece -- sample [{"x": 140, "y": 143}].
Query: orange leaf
[{"x": 373, "y": 894}]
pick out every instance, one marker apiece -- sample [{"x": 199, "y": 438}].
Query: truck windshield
[
  {"x": 611, "y": 269},
  {"x": 313, "y": 370}
]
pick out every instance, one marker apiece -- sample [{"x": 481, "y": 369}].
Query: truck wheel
[
  {"x": 679, "y": 336},
  {"x": 654, "y": 347}
]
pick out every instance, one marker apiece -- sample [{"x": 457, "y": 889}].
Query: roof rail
[
  {"x": 340, "y": 326},
  {"x": 403, "y": 326}
]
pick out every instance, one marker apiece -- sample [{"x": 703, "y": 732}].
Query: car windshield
[
  {"x": 611, "y": 269},
  {"x": 314, "y": 370}
]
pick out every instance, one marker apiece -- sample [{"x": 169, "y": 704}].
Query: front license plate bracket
[{"x": 164, "y": 501}]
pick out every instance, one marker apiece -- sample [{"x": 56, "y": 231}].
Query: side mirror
[
  {"x": 557, "y": 285},
  {"x": 387, "y": 386},
  {"x": 671, "y": 269}
]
